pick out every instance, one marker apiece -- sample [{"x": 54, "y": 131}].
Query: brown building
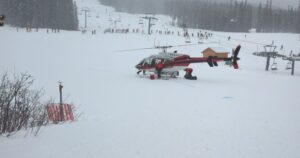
[{"x": 215, "y": 52}]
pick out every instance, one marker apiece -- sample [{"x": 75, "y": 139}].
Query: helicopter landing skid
[
  {"x": 163, "y": 76},
  {"x": 144, "y": 72}
]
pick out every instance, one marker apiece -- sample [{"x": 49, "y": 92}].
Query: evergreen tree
[
  {"x": 237, "y": 16},
  {"x": 59, "y": 14},
  {"x": 259, "y": 21}
]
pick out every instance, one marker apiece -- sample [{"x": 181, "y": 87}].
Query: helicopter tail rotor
[{"x": 235, "y": 57}]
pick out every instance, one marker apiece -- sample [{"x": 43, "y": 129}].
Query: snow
[{"x": 225, "y": 113}]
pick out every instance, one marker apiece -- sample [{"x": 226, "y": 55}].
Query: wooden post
[{"x": 61, "y": 112}]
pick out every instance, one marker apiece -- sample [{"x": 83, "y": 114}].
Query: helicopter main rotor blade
[
  {"x": 184, "y": 45},
  {"x": 131, "y": 50},
  {"x": 156, "y": 47}
]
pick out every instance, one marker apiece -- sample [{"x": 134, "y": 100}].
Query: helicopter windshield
[
  {"x": 152, "y": 60},
  {"x": 146, "y": 62}
]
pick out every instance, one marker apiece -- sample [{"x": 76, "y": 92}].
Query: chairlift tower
[
  {"x": 292, "y": 59},
  {"x": 270, "y": 52},
  {"x": 149, "y": 18},
  {"x": 85, "y": 10}
]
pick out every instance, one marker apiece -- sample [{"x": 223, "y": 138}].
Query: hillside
[{"x": 225, "y": 113}]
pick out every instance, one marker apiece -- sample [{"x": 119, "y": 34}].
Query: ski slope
[{"x": 225, "y": 113}]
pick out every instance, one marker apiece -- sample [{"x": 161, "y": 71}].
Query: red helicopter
[{"x": 170, "y": 64}]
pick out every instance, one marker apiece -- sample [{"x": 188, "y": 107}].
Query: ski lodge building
[{"x": 215, "y": 52}]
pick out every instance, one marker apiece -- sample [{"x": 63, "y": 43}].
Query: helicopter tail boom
[{"x": 212, "y": 61}]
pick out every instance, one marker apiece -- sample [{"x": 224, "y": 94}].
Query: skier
[{"x": 229, "y": 38}]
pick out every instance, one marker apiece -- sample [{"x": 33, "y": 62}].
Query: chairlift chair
[
  {"x": 274, "y": 65},
  {"x": 288, "y": 65}
]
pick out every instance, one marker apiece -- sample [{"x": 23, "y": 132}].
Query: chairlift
[
  {"x": 274, "y": 65},
  {"x": 288, "y": 65}
]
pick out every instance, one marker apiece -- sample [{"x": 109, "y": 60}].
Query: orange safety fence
[{"x": 54, "y": 113}]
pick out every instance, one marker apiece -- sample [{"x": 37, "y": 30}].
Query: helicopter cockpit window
[
  {"x": 145, "y": 62},
  {"x": 142, "y": 62},
  {"x": 158, "y": 61},
  {"x": 153, "y": 62}
]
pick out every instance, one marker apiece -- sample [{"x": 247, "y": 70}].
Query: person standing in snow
[{"x": 158, "y": 67}]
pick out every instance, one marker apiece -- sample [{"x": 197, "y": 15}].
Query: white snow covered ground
[{"x": 226, "y": 113}]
